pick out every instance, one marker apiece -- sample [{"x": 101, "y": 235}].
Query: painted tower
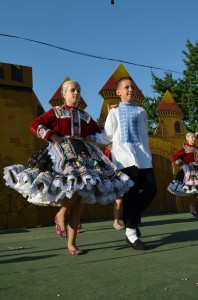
[
  {"x": 18, "y": 107},
  {"x": 172, "y": 129},
  {"x": 170, "y": 118}
]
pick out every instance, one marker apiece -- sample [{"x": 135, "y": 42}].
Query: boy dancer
[{"x": 126, "y": 129}]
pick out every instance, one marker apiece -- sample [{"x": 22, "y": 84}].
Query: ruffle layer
[
  {"x": 61, "y": 170},
  {"x": 42, "y": 188},
  {"x": 183, "y": 190},
  {"x": 186, "y": 182}
]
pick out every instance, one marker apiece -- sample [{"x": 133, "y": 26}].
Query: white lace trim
[{"x": 44, "y": 189}]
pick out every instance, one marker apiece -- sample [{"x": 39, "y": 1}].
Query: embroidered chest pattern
[
  {"x": 128, "y": 116},
  {"x": 75, "y": 115},
  {"x": 193, "y": 150}
]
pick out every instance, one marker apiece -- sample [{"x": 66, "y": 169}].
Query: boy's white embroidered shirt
[{"x": 127, "y": 150}]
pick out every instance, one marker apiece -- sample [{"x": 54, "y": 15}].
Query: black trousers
[{"x": 139, "y": 196}]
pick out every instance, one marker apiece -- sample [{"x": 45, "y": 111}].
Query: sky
[{"x": 141, "y": 32}]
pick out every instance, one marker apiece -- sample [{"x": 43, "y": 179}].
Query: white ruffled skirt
[
  {"x": 186, "y": 181},
  {"x": 61, "y": 170}
]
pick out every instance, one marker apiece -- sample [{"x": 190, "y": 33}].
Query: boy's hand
[{"x": 55, "y": 138}]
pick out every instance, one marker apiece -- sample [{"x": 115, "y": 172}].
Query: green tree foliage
[{"x": 184, "y": 90}]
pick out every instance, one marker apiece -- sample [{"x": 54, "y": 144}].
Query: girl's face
[
  {"x": 72, "y": 94},
  {"x": 126, "y": 91},
  {"x": 191, "y": 139}
]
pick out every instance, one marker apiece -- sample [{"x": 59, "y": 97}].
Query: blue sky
[{"x": 145, "y": 32}]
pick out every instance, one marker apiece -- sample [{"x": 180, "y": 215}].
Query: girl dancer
[{"x": 72, "y": 168}]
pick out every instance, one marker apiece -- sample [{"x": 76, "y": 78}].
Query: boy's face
[{"x": 126, "y": 91}]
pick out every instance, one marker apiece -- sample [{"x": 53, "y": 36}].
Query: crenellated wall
[{"x": 18, "y": 107}]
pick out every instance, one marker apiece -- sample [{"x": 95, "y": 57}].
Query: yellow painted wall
[{"x": 18, "y": 107}]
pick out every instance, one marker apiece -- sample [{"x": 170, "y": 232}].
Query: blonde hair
[
  {"x": 65, "y": 86},
  {"x": 189, "y": 134}
]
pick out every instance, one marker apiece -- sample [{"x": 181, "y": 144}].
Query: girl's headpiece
[{"x": 66, "y": 84}]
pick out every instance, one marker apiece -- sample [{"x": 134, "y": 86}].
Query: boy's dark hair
[{"x": 124, "y": 78}]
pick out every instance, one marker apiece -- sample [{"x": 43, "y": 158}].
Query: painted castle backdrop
[{"x": 19, "y": 105}]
